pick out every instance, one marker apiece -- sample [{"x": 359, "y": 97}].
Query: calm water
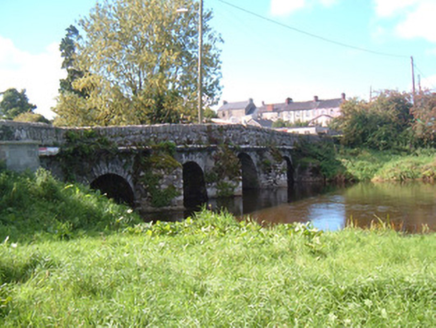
[{"x": 408, "y": 206}]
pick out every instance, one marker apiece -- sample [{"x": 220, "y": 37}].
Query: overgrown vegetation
[
  {"x": 155, "y": 166},
  {"x": 392, "y": 120},
  {"x": 71, "y": 257},
  {"x": 366, "y": 164},
  {"x": 226, "y": 172},
  {"x": 280, "y": 123},
  {"x": 84, "y": 147},
  {"x": 213, "y": 269},
  {"x": 389, "y": 138},
  {"x": 38, "y": 207},
  {"x": 320, "y": 156}
]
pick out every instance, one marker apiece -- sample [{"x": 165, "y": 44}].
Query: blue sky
[{"x": 261, "y": 60}]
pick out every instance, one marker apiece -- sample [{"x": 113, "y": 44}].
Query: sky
[{"x": 273, "y": 49}]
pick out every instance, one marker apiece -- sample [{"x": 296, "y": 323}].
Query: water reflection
[{"x": 406, "y": 206}]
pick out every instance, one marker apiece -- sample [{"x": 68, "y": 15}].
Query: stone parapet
[{"x": 180, "y": 134}]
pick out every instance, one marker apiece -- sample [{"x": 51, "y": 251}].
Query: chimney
[
  {"x": 343, "y": 96},
  {"x": 315, "y": 98},
  {"x": 263, "y": 103},
  {"x": 270, "y": 108},
  {"x": 225, "y": 102},
  {"x": 288, "y": 101}
]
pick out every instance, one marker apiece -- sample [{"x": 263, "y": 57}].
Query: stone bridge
[{"x": 162, "y": 166}]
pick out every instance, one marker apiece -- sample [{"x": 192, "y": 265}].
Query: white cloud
[
  {"x": 389, "y": 8},
  {"x": 328, "y": 3},
  {"x": 286, "y": 7},
  {"x": 420, "y": 23},
  {"x": 414, "y": 18},
  {"x": 39, "y": 74}
]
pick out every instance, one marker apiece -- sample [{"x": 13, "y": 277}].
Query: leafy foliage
[
  {"x": 31, "y": 117},
  {"x": 280, "y": 123},
  {"x": 68, "y": 53},
  {"x": 322, "y": 154},
  {"x": 424, "y": 111},
  {"x": 154, "y": 167},
  {"x": 15, "y": 103},
  {"x": 140, "y": 61},
  {"x": 83, "y": 145},
  {"x": 381, "y": 124}
]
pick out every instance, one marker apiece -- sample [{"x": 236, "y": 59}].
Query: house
[
  {"x": 237, "y": 112},
  {"x": 316, "y": 112}
]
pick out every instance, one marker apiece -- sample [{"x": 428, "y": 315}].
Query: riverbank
[
  {"x": 214, "y": 271},
  {"x": 108, "y": 269},
  {"x": 373, "y": 165}
]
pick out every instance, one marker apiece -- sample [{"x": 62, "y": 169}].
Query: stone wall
[
  {"x": 189, "y": 134},
  {"x": 44, "y": 134},
  {"x": 19, "y": 155}
]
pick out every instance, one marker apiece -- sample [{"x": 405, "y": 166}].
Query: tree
[
  {"x": 31, "y": 117},
  {"x": 68, "y": 53},
  {"x": 280, "y": 123},
  {"x": 424, "y": 112},
  {"x": 382, "y": 123},
  {"x": 15, "y": 103},
  {"x": 140, "y": 57}
]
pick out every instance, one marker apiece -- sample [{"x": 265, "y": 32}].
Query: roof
[
  {"x": 235, "y": 105},
  {"x": 247, "y": 105},
  {"x": 264, "y": 123},
  {"x": 302, "y": 105}
]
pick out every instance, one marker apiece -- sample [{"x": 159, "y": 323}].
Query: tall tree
[
  {"x": 141, "y": 58},
  {"x": 15, "y": 103},
  {"x": 68, "y": 53}
]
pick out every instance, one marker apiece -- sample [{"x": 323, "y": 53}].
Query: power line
[
  {"x": 428, "y": 81},
  {"x": 311, "y": 34}
]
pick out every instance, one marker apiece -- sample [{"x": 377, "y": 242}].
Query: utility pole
[
  {"x": 200, "y": 63},
  {"x": 413, "y": 79}
]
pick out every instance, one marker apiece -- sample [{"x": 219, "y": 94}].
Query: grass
[
  {"x": 365, "y": 165},
  {"x": 37, "y": 207},
  {"x": 207, "y": 271}
]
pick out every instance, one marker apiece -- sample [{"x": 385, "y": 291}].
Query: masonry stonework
[{"x": 225, "y": 159}]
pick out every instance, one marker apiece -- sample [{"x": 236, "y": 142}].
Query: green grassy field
[
  {"x": 366, "y": 165},
  {"x": 106, "y": 269}
]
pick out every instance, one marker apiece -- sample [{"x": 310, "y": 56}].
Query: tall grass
[
  {"x": 36, "y": 206},
  {"x": 365, "y": 165},
  {"x": 207, "y": 271},
  {"x": 211, "y": 271}
]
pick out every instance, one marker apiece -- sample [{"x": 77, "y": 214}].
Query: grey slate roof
[
  {"x": 264, "y": 123},
  {"x": 234, "y": 105},
  {"x": 302, "y": 105}
]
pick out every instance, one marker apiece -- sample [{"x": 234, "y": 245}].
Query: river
[{"x": 406, "y": 206}]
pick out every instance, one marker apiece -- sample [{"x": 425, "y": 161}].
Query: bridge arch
[
  {"x": 194, "y": 185},
  {"x": 250, "y": 178},
  {"x": 289, "y": 171},
  {"x": 115, "y": 187}
]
